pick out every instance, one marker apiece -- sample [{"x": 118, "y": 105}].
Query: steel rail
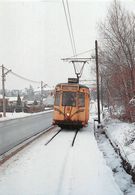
[
  {"x": 74, "y": 137},
  {"x": 52, "y": 137}
]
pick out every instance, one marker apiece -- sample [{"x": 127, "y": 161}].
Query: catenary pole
[{"x": 97, "y": 77}]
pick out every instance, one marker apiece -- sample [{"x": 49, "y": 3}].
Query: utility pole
[
  {"x": 41, "y": 92},
  {"x": 97, "y": 76},
  {"x": 3, "y": 89}
]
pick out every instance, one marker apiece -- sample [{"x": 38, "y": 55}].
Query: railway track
[
  {"x": 8, "y": 154},
  {"x": 52, "y": 137},
  {"x": 60, "y": 160},
  {"x": 73, "y": 140},
  {"x": 76, "y": 132}
]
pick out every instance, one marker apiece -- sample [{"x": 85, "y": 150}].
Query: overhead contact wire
[
  {"x": 70, "y": 35},
  {"x": 82, "y": 53},
  {"x": 69, "y": 30},
  {"x": 71, "y": 27}
]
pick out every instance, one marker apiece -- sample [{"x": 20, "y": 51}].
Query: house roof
[
  {"x": 13, "y": 99},
  {"x": 1, "y": 97}
]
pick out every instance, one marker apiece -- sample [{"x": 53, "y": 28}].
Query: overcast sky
[{"x": 34, "y": 37}]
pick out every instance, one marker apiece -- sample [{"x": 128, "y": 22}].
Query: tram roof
[{"x": 80, "y": 85}]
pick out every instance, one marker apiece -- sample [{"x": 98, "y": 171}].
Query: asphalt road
[{"x": 13, "y": 132}]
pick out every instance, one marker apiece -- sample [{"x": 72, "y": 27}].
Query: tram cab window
[
  {"x": 81, "y": 99},
  {"x": 69, "y": 99},
  {"x": 57, "y": 99}
]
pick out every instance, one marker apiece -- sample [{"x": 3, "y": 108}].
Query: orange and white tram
[{"x": 71, "y": 105}]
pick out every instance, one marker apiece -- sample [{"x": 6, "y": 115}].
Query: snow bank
[
  {"x": 14, "y": 115},
  {"x": 123, "y": 136}
]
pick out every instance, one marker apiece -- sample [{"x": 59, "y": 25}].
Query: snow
[
  {"x": 1, "y": 97},
  {"x": 14, "y": 115},
  {"x": 49, "y": 100},
  {"x": 114, "y": 162},
  {"x": 59, "y": 169},
  {"x": 123, "y": 136}
]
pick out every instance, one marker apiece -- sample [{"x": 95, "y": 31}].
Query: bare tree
[{"x": 117, "y": 54}]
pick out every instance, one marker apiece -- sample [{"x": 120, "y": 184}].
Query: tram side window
[
  {"x": 57, "y": 99},
  {"x": 81, "y": 99},
  {"x": 69, "y": 99}
]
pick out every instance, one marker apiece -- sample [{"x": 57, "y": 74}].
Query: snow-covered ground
[
  {"x": 123, "y": 136},
  {"x": 59, "y": 169},
  {"x": 14, "y": 115},
  {"x": 114, "y": 162}
]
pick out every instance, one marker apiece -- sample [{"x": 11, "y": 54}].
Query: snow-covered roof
[
  {"x": 49, "y": 100},
  {"x": 30, "y": 102},
  {"x": 1, "y": 96},
  {"x": 13, "y": 99}
]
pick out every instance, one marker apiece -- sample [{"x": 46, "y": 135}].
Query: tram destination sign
[
  {"x": 72, "y": 80},
  {"x": 69, "y": 88}
]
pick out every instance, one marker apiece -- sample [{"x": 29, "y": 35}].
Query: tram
[{"x": 71, "y": 104}]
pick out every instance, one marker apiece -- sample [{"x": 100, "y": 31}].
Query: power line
[
  {"x": 71, "y": 26},
  {"x": 82, "y": 53},
  {"x": 69, "y": 30},
  {"x": 22, "y": 77}
]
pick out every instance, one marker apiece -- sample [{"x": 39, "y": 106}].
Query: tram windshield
[
  {"x": 81, "y": 99},
  {"x": 57, "y": 99},
  {"x": 69, "y": 99}
]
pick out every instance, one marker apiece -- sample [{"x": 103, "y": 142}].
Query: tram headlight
[{"x": 68, "y": 114}]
